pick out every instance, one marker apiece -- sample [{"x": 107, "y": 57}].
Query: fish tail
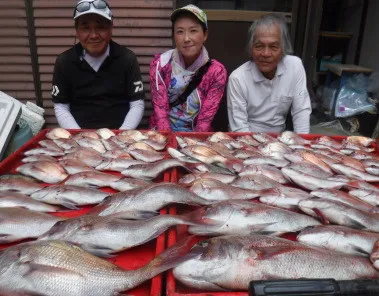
[{"x": 169, "y": 258}]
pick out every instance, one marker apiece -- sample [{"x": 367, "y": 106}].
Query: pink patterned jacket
[{"x": 210, "y": 89}]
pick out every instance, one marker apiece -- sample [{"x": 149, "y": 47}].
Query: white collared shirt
[{"x": 258, "y": 104}]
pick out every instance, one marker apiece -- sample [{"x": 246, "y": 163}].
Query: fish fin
[
  {"x": 260, "y": 228},
  {"x": 197, "y": 217},
  {"x": 135, "y": 215},
  {"x": 99, "y": 251},
  {"x": 267, "y": 252},
  {"x": 357, "y": 224},
  {"x": 321, "y": 216},
  {"x": 361, "y": 251},
  {"x": 69, "y": 205},
  {"x": 174, "y": 255}
]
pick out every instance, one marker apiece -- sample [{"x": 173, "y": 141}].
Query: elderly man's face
[
  {"x": 267, "y": 50},
  {"x": 94, "y": 33}
]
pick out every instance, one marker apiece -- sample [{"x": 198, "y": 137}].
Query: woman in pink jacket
[{"x": 171, "y": 73}]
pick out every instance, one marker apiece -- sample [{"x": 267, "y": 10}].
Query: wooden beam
[{"x": 241, "y": 15}]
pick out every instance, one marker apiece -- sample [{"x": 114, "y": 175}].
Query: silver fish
[
  {"x": 69, "y": 196},
  {"x": 255, "y": 182},
  {"x": 291, "y": 138},
  {"x": 359, "y": 140},
  {"x": 283, "y": 197},
  {"x": 309, "y": 182},
  {"x": 57, "y": 268},
  {"x": 374, "y": 257},
  {"x": 58, "y": 133},
  {"x": 266, "y": 160},
  {"x": 244, "y": 218},
  {"x": 354, "y": 173},
  {"x": 20, "y": 185},
  {"x": 104, "y": 236},
  {"x": 124, "y": 184},
  {"x": 66, "y": 144},
  {"x": 46, "y": 171},
  {"x": 73, "y": 166},
  {"x": 249, "y": 140},
  {"x": 214, "y": 190},
  {"x": 328, "y": 141},
  {"x": 340, "y": 213},
  {"x": 117, "y": 153},
  {"x": 150, "y": 171},
  {"x": 372, "y": 170},
  {"x": 158, "y": 146},
  {"x": 40, "y": 157},
  {"x": 180, "y": 156},
  {"x": 334, "y": 194},
  {"x": 369, "y": 196},
  {"x": 188, "y": 179},
  {"x": 110, "y": 145},
  {"x": 310, "y": 169},
  {"x": 49, "y": 144},
  {"x": 152, "y": 198},
  {"x": 86, "y": 134},
  {"x": 266, "y": 170},
  {"x": 95, "y": 144},
  {"x": 275, "y": 150},
  {"x": 339, "y": 238},
  {"x": 91, "y": 179},
  {"x": 147, "y": 156},
  {"x": 118, "y": 164},
  {"x": 105, "y": 133},
  {"x": 43, "y": 151},
  {"x": 10, "y": 199},
  {"x": 231, "y": 262},
  {"x": 210, "y": 156},
  {"x": 134, "y": 134},
  {"x": 88, "y": 156},
  {"x": 263, "y": 138},
  {"x": 17, "y": 224}
]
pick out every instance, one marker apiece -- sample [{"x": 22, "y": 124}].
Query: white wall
[{"x": 370, "y": 46}]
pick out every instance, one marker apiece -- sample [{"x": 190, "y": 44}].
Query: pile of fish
[
  {"x": 321, "y": 191},
  {"x": 243, "y": 192}
]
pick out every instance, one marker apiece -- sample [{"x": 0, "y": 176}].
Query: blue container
[{"x": 21, "y": 135}]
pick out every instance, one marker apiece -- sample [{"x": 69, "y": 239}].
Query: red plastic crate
[
  {"x": 174, "y": 287},
  {"x": 129, "y": 259}
]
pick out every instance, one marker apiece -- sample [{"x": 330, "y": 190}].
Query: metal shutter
[
  {"x": 142, "y": 25},
  {"x": 16, "y": 74}
]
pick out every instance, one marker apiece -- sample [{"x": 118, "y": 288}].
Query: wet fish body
[
  {"x": 10, "y": 199},
  {"x": 20, "y": 185},
  {"x": 151, "y": 198},
  {"x": 91, "y": 179},
  {"x": 46, "y": 171},
  {"x": 309, "y": 182},
  {"x": 150, "y": 171},
  {"x": 57, "y": 268},
  {"x": 231, "y": 262},
  {"x": 69, "y": 196},
  {"x": 341, "y": 214},
  {"x": 104, "y": 236},
  {"x": 339, "y": 238},
  {"x": 17, "y": 224},
  {"x": 244, "y": 218}
]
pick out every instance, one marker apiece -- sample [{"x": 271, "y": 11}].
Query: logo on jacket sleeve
[
  {"x": 139, "y": 86},
  {"x": 55, "y": 91}
]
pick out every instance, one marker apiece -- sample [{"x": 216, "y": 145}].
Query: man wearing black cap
[{"x": 97, "y": 83}]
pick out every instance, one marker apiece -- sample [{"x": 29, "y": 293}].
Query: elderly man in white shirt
[{"x": 263, "y": 90}]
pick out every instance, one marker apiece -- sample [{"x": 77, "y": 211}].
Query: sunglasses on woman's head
[{"x": 84, "y": 6}]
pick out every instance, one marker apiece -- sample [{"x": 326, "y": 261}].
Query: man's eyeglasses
[{"x": 85, "y": 6}]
